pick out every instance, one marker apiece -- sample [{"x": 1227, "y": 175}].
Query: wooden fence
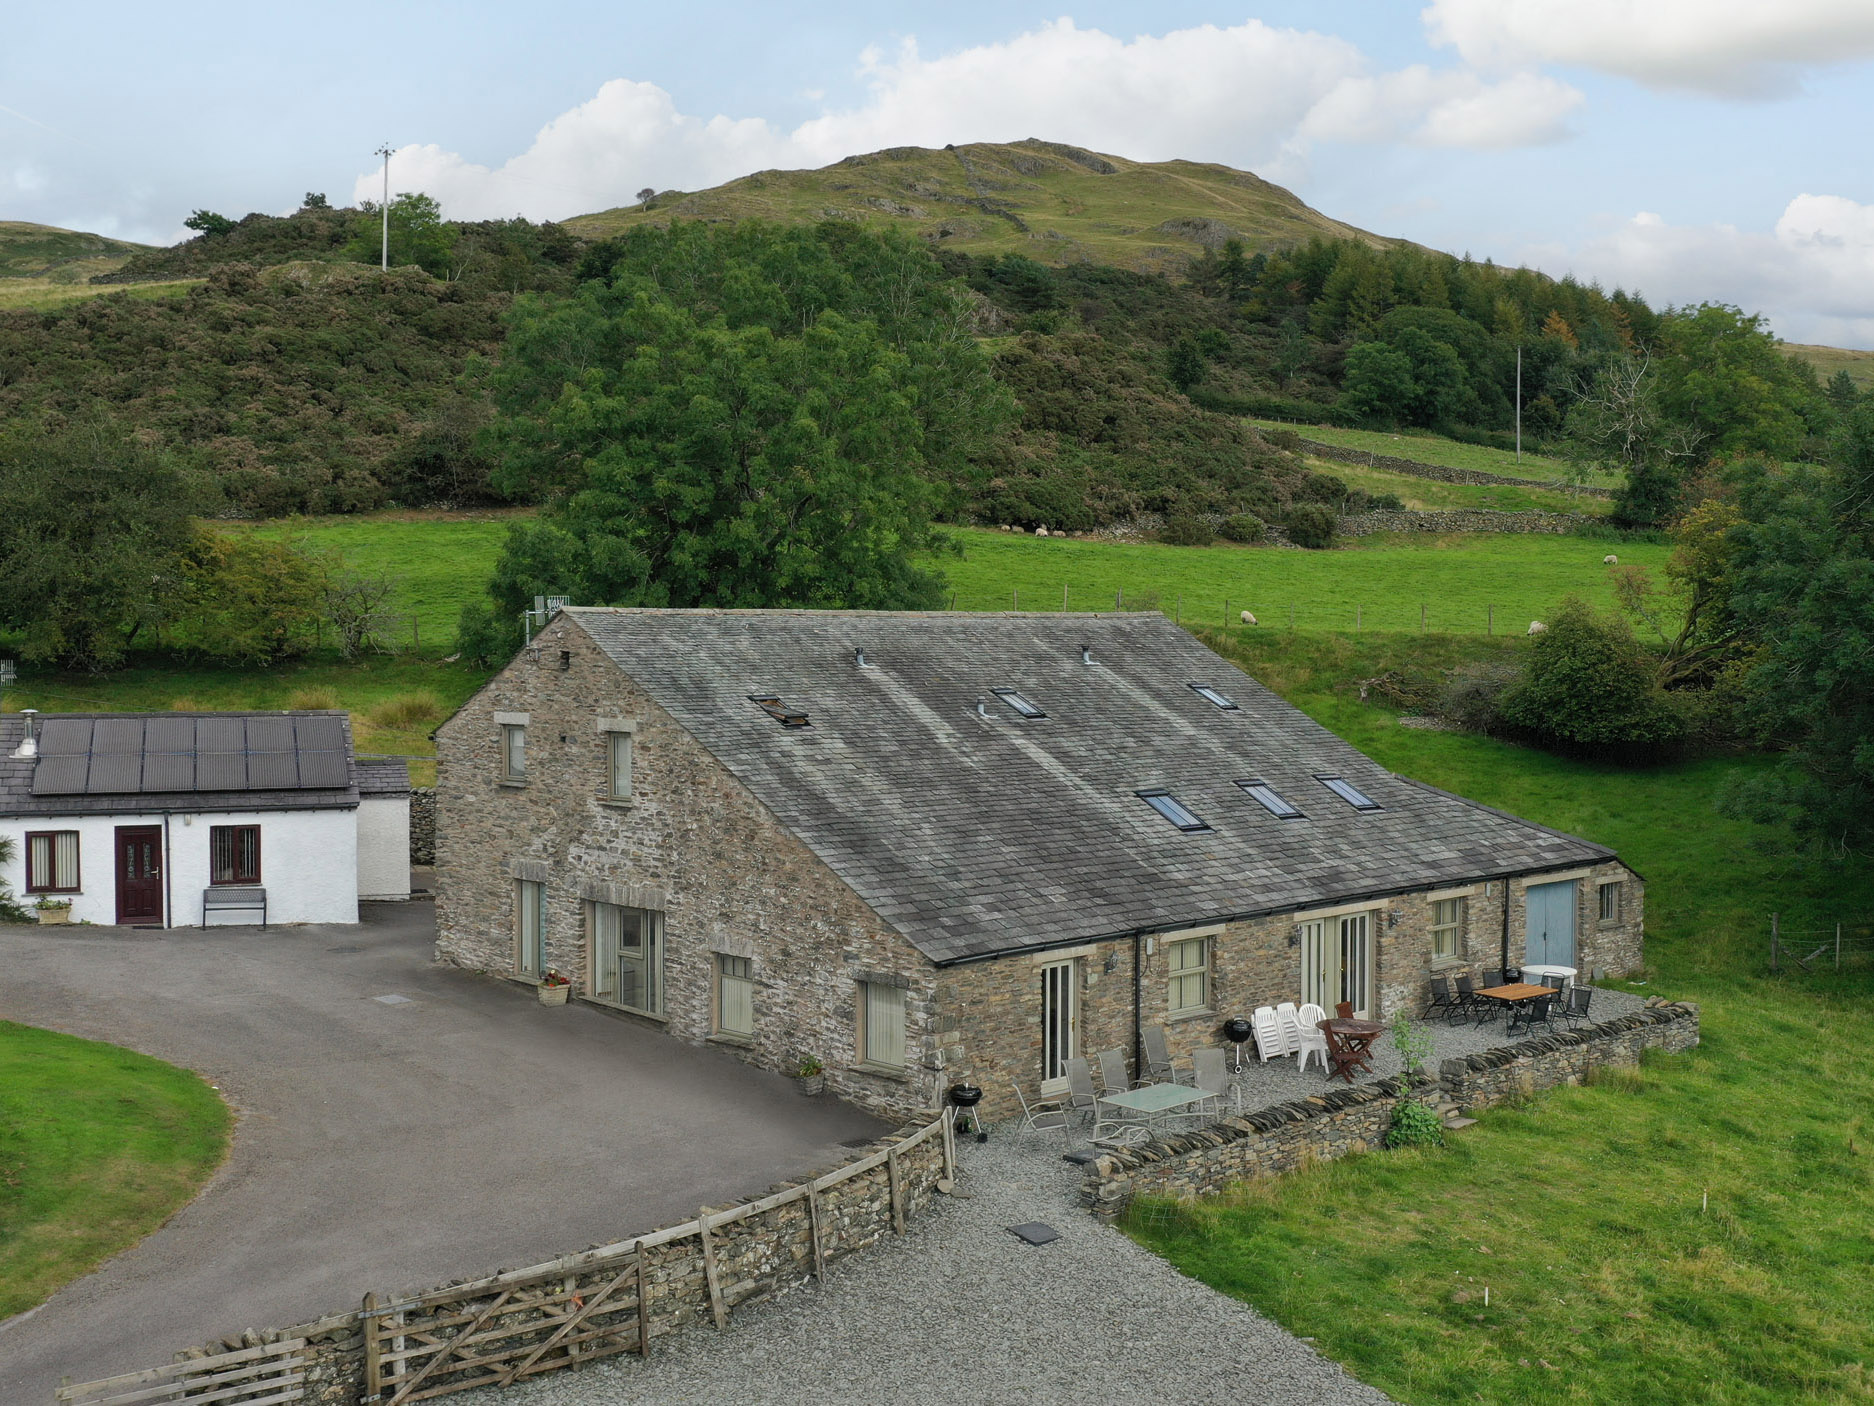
[{"x": 612, "y": 1299}]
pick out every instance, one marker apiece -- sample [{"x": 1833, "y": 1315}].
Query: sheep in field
[
  {"x": 1610, "y": 560},
  {"x": 1248, "y": 619},
  {"x": 1536, "y": 627}
]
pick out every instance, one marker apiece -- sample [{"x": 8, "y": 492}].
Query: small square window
[
  {"x": 52, "y": 861},
  {"x": 1018, "y": 703},
  {"x": 1168, "y": 806},
  {"x": 513, "y": 752},
  {"x": 618, "y": 765},
  {"x": 233, "y": 854},
  {"x": 1610, "y": 902},
  {"x": 1349, "y": 793},
  {"x": 1212, "y": 695},
  {"x": 1270, "y": 800}
]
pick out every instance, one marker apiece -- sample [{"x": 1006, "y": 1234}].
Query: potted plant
[
  {"x": 554, "y": 988},
  {"x": 53, "y": 910},
  {"x": 810, "y": 1075}
]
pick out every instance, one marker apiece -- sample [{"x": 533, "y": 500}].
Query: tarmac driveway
[{"x": 381, "y": 1144}]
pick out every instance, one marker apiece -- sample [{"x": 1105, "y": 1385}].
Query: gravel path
[{"x": 960, "y": 1310}]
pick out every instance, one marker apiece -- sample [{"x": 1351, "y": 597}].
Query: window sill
[
  {"x": 617, "y": 802},
  {"x": 605, "y": 1003},
  {"x": 1180, "y": 1017},
  {"x": 896, "y": 1073},
  {"x": 512, "y": 785},
  {"x": 1442, "y": 964},
  {"x": 740, "y": 1042}
]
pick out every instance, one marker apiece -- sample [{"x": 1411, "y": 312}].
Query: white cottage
[{"x": 187, "y": 819}]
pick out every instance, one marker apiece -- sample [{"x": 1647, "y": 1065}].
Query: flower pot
[
  {"x": 54, "y": 915},
  {"x": 554, "y": 995},
  {"x": 810, "y": 1084}
]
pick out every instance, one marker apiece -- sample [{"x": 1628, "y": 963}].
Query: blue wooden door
[{"x": 1550, "y": 937}]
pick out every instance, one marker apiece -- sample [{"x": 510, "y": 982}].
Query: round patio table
[{"x": 1562, "y": 975}]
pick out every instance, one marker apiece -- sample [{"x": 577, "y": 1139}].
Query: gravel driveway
[
  {"x": 960, "y": 1310},
  {"x": 454, "y": 1129}
]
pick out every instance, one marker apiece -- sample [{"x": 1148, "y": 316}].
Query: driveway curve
[{"x": 382, "y": 1143}]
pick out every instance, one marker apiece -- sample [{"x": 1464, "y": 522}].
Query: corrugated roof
[
  {"x": 981, "y": 833},
  {"x": 117, "y": 763}
]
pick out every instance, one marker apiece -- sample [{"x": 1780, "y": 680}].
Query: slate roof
[
  {"x": 383, "y": 776},
  {"x": 298, "y": 773},
  {"x": 979, "y": 835}
]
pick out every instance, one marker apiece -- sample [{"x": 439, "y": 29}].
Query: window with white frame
[
  {"x": 881, "y": 1024},
  {"x": 618, "y": 766},
  {"x": 735, "y": 995},
  {"x": 530, "y": 928},
  {"x": 1610, "y": 902},
  {"x": 1190, "y": 975},
  {"x": 1447, "y": 927},
  {"x": 513, "y": 752},
  {"x": 627, "y": 956},
  {"x": 52, "y": 861}
]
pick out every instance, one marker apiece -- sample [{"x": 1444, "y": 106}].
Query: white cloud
[
  {"x": 1249, "y": 94},
  {"x": 1813, "y": 275},
  {"x": 1726, "y": 48}
]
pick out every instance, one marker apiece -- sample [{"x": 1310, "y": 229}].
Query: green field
[
  {"x": 1425, "y": 447},
  {"x": 44, "y": 294},
  {"x": 1427, "y": 494},
  {"x": 98, "y": 1146},
  {"x": 1699, "y": 1232}
]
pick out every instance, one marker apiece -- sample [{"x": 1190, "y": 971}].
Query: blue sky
[{"x": 1694, "y": 149}]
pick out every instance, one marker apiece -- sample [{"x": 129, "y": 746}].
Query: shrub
[
  {"x": 1186, "y": 531},
  {"x": 313, "y": 699},
  {"x": 1589, "y": 687},
  {"x": 1362, "y": 502},
  {"x": 406, "y": 711},
  {"x": 1415, "y": 1125},
  {"x": 1242, "y": 527},
  {"x": 1473, "y": 696},
  {"x": 1311, "y": 525},
  {"x": 1321, "y": 488}
]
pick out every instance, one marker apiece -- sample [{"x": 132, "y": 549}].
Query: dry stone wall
[
  {"x": 1460, "y": 520},
  {"x": 422, "y": 825},
  {"x": 1340, "y": 1121},
  {"x": 1439, "y": 472}
]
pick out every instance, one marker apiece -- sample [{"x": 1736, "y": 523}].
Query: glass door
[
  {"x": 1057, "y": 1024},
  {"x": 1356, "y": 963},
  {"x": 1320, "y": 966}
]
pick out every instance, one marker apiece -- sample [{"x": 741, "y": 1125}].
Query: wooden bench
[{"x": 235, "y": 898}]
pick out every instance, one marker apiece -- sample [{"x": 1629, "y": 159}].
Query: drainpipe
[
  {"x": 1138, "y": 1012},
  {"x": 1505, "y": 959},
  {"x": 168, "y": 879}
]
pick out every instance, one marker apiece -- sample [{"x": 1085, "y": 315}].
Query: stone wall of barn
[{"x": 691, "y": 844}]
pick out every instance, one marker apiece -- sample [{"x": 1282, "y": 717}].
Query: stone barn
[{"x": 924, "y": 847}]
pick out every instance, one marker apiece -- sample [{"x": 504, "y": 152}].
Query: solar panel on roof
[
  {"x": 113, "y": 773},
  {"x": 270, "y": 734},
  {"x": 221, "y": 771},
  {"x": 169, "y": 735},
  {"x": 169, "y": 771},
  {"x": 65, "y": 737},
  {"x": 122, "y": 737},
  {"x": 272, "y": 771},
  {"x": 60, "y": 776},
  {"x": 322, "y": 769},
  {"x": 221, "y": 734},
  {"x": 325, "y": 734}
]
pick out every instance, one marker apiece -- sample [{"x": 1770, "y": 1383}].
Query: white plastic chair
[
  {"x": 1313, "y": 1042},
  {"x": 1291, "y": 1025},
  {"x": 1270, "y": 1042}
]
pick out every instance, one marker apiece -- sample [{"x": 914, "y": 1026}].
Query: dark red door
[{"x": 139, "y": 874}]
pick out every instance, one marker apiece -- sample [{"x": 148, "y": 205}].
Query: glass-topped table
[{"x": 1154, "y": 1099}]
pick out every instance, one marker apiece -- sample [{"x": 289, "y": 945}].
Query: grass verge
[{"x": 98, "y": 1146}]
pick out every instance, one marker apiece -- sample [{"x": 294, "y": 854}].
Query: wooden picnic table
[{"x": 1349, "y": 1042}]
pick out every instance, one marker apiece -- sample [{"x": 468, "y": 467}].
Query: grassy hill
[
  {"x": 1828, "y": 360},
  {"x": 58, "y": 255},
  {"x": 1055, "y": 203}
]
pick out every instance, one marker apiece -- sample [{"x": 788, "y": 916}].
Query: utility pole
[
  {"x": 1518, "y": 370},
  {"x": 384, "y": 258}
]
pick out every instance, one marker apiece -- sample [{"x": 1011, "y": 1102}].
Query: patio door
[
  {"x": 1337, "y": 962},
  {"x": 1549, "y": 912},
  {"x": 1057, "y": 1024}
]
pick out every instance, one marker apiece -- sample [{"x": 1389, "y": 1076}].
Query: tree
[
  {"x": 1618, "y": 422},
  {"x": 209, "y": 223},
  {"x": 1843, "y": 393},
  {"x": 1722, "y": 375},
  {"x": 417, "y": 234},
  {"x": 731, "y": 467},
  {"x": 93, "y": 528},
  {"x": 646, "y": 196},
  {"x": 1378, "y": 384},
  {"x": 1588, "y": 687},
  {"x": 247, "y": 599},
  {"x": 1185, "y": 363},
  {"x": 315, "y": 200}
]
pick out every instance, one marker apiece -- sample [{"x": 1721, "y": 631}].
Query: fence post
[
  {"x": 1291, "y": 619},
  {"x": 373, "y": 1365},
  {"x": 1356, "y": 619},
  {"x": 1178, "y": 618},
  {"x": 1017, "y": 595},
  {"x": 814, "y": 1232},
  {"x": 1421, "y": 617},
  {"x": 1119, "y": 598},
  {"x": 1063, "y": 599},
  {"x": 717, "y": 1311},
  {"x": 1773, "y": 966},
  {"x": 644, "y": 1309},
  {"x": 953, "y": 600},
  {"x": 1490, "y": 620},
  {"x": 894, "y": 1180},
  {"x": 1838, "y": 947}
]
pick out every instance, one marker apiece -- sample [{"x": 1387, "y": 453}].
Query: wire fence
[
  {"x": 1841, "y": 947},
  {"x": 1400, "y": 616}
]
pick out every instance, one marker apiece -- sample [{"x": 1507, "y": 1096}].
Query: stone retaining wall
[
  {"x": 1349, "y": 1119},
  {"x": 766, "y": 1253},
  {"x": 423, "y": 825},
  {"x": 1439, "y": 472},
  {"x": 1460, "y": 520}
]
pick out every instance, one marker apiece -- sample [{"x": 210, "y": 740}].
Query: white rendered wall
[
  {"x": 384, "y": 847},
  {"x": 308, "y": 864}
]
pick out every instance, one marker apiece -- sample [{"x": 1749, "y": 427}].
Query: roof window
[
  {"x": 1168, "y": 806},
  {"x": 1212, "y": 695},
  {"x": 777, "y": 710},
  {"x": 1271, "y": 800},
  {"x": 1018, "y": 703},
  {"x": 1349, "y": 793}
]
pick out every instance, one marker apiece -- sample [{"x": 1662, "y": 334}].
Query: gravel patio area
[{"x": 961, "y": 1310}]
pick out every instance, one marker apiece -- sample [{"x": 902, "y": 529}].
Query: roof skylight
[
  {"x": 1020, "y": 704},
  {"x": 780, "y": 712},
  {"x": 1168, "y": 806},
  {"x": 1349, "y": 793},
  {"x": 1271, "y": 800},
  {"x": 1217, "y": 696}
]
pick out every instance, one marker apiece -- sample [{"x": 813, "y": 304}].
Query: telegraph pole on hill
[{"x": 384, "y": 259}]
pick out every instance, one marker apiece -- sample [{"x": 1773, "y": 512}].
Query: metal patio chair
[
  {"x": 1113, "y": 1071},
  {"x": 1158, "y": 1066},
  {"x": 1441, "y": 998},
  {"x": 1041, "y": 1116},
  {"x": 1081, "y": 1096}
]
